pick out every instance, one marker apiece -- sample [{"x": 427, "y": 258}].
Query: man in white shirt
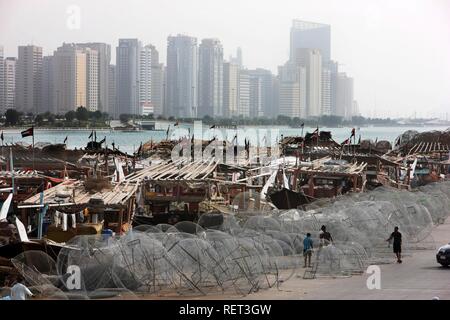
[{"x": 19, "y": 291}]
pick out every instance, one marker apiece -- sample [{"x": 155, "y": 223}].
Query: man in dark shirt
[
  {"x": 325, "y": 236},
  {"x": 397, "y": 236}
]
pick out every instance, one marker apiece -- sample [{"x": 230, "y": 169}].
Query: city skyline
[{"x": 393, "y": 83}]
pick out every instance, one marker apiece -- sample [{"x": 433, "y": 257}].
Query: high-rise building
[
  {"x": 158, "y": 88},
  {"x": 210, "y": 78},
  {"x": 311, "y": 60},
  {"x": 332, "y": 66},
  {"x": 266, "y": 78},
  {"x": 238, "y": 59},
  {"x": 256, "y": 96},
  {"x": 69, "y": 78},
  {"x": 244, "y": 94},
  {"x": 311, "y": 35},
  {"x": 47, "y": 85},
  {"x": 145, "y": 80},
  {"x": 326, "y": 92},
  {"x": 2, "y": 79},
  {"x": 112, "y": 89},
  {"x": 344, "y": 96},
  {"x": 29, "y": 79},
  {"x": 9, "y": 83},
  {"x": 127, "y": 77},
  {"x": 92, "y": 79},
  {"x": 157, "y": 94},
  {"x": 230, "y": 89},
  {"x": 355, "y": 109},
  {"x": 103, "y": 61},
  {"x": 275, "y": 111},
  {"x": 182, "y": 76},
  {"x": 292, "y": 90}
]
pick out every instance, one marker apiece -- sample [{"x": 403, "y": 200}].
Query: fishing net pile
[{"x": 238, "y": 254}]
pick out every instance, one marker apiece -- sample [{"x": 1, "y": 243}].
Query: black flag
[
  {"x": 95, "y": 136},
  {"x": 91, "y": 135},
  {"x": 302, "y": 125},
  {"x": 113, "y": 145},
  {"x": 102, "y": 141},
  {"x": 213, "y": 126},
  {"x": 315, "y": 134},
  {"x": 65, "y": 140},
  {"x": 27, "y": 133},
  {"x": 2, "y": 137}
]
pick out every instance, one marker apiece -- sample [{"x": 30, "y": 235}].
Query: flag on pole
[
  {"x": 346, "y": 141},
  {"x": 65, "y": 140},
  {"x": 2, "y": 137},
  {"x": 213, "y": 126},
  {"x": 28, "y": 133},
  {"x": 315, "y": 134},
  {"x": 102, "y": 141},
  {"x": 91, "y": 135},
  {"x": 167, "y": 132},
  {"x": 353, "y": 133},
  {"x": 95, "y": 135}
]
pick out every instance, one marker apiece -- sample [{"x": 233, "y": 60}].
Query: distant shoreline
[
  {"x": 57, "y": 129},
  {"x": 165, "y": 122}
]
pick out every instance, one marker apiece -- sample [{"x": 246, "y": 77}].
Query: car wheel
[{"x": 445, "y": 265}]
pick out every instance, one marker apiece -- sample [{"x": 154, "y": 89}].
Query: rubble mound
[{"x": 412, "y": 137}]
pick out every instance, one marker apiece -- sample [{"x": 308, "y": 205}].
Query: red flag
[
  {"x": 27, "y": 133},
  {"x": 353, "y": 133}
]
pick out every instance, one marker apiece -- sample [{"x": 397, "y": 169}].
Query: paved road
[{"x": 418, "y": 277}]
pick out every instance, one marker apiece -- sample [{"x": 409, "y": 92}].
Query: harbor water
[{"x": 129, "y": 141}]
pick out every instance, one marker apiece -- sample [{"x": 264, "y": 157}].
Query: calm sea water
[{"x": 130, "y": 141}]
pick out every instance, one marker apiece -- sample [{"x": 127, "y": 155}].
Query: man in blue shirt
[{"x": 307, "y": 249}]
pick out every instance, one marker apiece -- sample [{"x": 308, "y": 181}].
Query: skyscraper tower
[
  {"x": 127, "y": 73},
  {"x": 103, "y": 61},
  {"x": 69, "y": 78},
  {"x": 182, "y": 76},
  {"x": 210, "y": 78},
  {"x": 2, "y": 82},
  {"x": 311, "y": 35},
  {"x": 29, "y": 79}
]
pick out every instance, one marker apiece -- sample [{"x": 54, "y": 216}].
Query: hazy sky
[{"x": 398, "y": 51}]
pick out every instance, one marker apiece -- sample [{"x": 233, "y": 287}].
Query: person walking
[
  {"x": 325, "y": 237},
  {"x": 397, "y": 246},
  {"x": 307, "y": 249},
  {"x": 19, "y": 291}
]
